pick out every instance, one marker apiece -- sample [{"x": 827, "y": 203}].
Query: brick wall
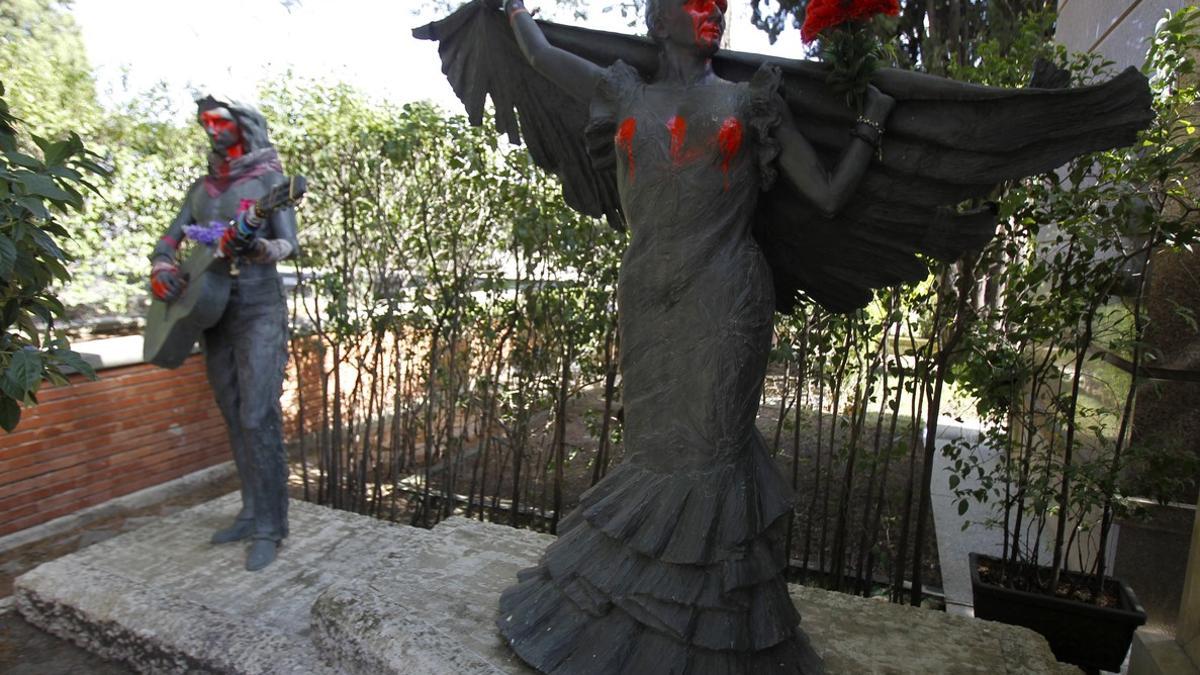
[
  {"x": 88, "y": 442},
  {"x": 306, "y": 363}
]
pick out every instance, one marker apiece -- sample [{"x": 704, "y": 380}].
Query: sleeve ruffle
[
  {"x": 766, "y": 107},
  {"x": 618, "y": 80}
]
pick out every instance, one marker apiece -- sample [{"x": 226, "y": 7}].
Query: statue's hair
[{"x": 251, "y": 122}]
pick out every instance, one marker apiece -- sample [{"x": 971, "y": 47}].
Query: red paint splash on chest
[
  {"x": 729, "y": 143},
  {"x": 624, "y": 140},
  {"x": 677, "y": 126}
]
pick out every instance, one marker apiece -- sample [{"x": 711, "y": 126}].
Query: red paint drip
[
  {"x": 678, "y": 128},
  {"x": 624, "y": 141},
  {"x": 729, "y": 142}
]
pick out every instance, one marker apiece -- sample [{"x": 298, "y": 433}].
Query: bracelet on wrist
[
  {"x": 512, "y": 16},
  {"x": 866, "y": 135},
  {"x": 864, "y": 120}
]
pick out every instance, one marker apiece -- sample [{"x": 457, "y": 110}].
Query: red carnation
[{"x": 824, "y": 14}]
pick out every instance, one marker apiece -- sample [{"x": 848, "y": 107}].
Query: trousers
[{"x": 245, "y": 357}]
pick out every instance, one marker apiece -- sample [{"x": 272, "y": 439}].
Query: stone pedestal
[{"x": 354, "y": 595}]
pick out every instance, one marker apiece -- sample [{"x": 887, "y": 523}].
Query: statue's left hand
[{"x": 878, "y": 105}]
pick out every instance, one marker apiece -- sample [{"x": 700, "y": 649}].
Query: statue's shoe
[
  {"x": 236, "y": 532},
  {"x": 262, "y": 553}
]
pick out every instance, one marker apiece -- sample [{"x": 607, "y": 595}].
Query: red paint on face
[
  {"x": 216, "y": 124},
  {"x": 624, "y": 141},
  {"x": 706, "y": 24},
  {"x": 729, "y": 142},
  {"x": 677, "y": 126}
]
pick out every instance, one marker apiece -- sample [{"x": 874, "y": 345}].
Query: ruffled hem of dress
[
  {"x": 697, "y": 518},
  {"x": 547, "y": 626},
  {"x": 602, "y": 120},
  {"x": 729, "y": 584},
  {"x": 764, "y": 117}
]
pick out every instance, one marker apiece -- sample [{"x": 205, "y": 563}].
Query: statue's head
[
  {"x": 234, "y": 128},
  {"x": 687, "y": 23}
]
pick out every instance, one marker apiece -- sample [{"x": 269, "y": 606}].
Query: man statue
[{"x": 246, "y": 350}]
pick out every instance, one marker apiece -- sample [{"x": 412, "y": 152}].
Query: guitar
[{"x": 172, "y": 328}]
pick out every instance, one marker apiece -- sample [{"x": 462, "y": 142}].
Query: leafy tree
[
  {"x": 931, "y": 34},
  {"x": 42, "y": 51},
  {"x": 34, "y": 192},
  {"x": 153, "y": 159}
]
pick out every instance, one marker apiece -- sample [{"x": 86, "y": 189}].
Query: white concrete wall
[{"x": 1118, "y": 29}]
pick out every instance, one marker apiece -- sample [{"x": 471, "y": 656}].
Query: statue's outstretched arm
[
  {"x": 830, "y": 190},
  {"x": 573, "y": 74}
]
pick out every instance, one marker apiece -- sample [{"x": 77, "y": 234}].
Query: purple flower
[{"x": 208, "y": 235}]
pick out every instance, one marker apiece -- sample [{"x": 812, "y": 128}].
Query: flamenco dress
[{"x": 673, "y": 563}]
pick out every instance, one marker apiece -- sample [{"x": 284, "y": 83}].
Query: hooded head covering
[{"x": 259, "y": 157}]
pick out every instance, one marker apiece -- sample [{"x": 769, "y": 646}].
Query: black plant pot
[{"x": 1091, "y": 637}]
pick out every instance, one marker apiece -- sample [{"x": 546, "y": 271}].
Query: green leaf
[
  {"x": 21, "y": 159},
  {"x": 9, "y": 388},
  {"x": 8, "y": 257},
  {"x": 74, "y": 361},
  {"x": 65, "y": 172},
  {"x": 46, "y": 243},
  {"x": 10, "y": 413},
  {"x": 34, "y": 206},
  {"x": 46, "y": 187},
  {"x": 25, "y": 369},
  {"x": 962, "y": 507}
]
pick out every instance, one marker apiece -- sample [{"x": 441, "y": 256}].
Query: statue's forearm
[
  {"x": 575, "y": 75},
  {"x": 530, "y": 39},
  {"x": 830, "y": 191},
  {"x": 168, "y": 244}
]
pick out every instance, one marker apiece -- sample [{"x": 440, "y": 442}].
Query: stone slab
[
  {"x": 162, "y": 599},
  {"x": 449, "y": 585},
  {"x": 351, "y": 594}
]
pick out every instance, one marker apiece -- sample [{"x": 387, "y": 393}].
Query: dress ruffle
[
  {"x": 551, "y": 632},
  {"x": 701, "y": 517},
  {"x": 623, "y": 589}
]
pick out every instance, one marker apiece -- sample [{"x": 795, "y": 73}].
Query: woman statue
[{"x": 674, "y": 563}]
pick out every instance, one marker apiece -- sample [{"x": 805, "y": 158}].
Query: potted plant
[{"x": 1040, "y": 366}]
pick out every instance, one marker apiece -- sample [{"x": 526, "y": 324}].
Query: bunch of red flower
[{"x": 825, "y": 14}]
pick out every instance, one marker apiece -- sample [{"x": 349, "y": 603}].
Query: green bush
[{"x": 34, "y": 192}]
